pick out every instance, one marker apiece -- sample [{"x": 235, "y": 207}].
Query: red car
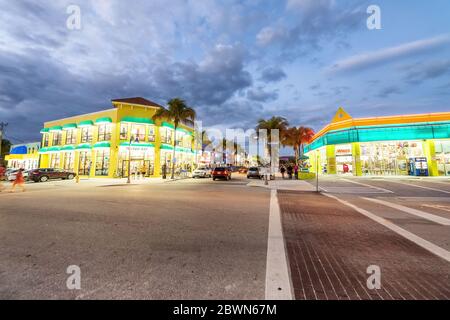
[{"x": 221, "y": 173}]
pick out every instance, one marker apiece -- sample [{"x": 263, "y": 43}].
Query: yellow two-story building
[{"x": 101, "y": 144}]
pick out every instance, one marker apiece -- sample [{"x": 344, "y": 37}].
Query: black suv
[{"x": 45, "y": 174}]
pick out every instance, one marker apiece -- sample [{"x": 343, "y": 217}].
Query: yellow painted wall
[
  {"x": 356, "y": 154},
  {"x": 331, "y": 159},
  {"x": 430, "y": 152}
]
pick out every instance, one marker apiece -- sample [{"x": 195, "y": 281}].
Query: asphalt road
[{"x": 193, "y": 239}]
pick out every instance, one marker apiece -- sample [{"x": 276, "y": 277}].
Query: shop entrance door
[{"x": 139, "y": 166}]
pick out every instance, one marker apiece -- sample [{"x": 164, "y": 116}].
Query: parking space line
[
  {"x": 278, "y": 280},
  {"x": 368, "y": 186},
  {"x": 419, "y": 213},
  {"x": 440, "y": 252},
  {"x": 423, "y": 187}
]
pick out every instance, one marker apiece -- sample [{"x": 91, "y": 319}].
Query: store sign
[
  {"x": 135, "y": 149},
  {"x": 342, "y": 150}
]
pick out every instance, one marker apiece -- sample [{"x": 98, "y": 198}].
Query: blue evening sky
[{"x": 234, "y": 61}]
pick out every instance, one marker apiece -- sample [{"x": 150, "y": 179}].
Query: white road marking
[
  {"x": 368, "y": 186},
  {"x": 423, "y": 187},
  {"x": 419, "y": 213},
  {"x": 278, "y": 283},
  {"x": 440, "y": 252},
  {"x": 437, "y": 206}
]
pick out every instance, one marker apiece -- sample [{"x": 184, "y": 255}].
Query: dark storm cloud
[
  {"x": 272, "y": 74},
  {"x": 260, "y": 95},
  {"x": 318, "y": 21}
]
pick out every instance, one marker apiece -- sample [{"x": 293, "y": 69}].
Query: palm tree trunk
[
  {"x": 296, "y": 155},
  {"x": 173, "y": 152}
]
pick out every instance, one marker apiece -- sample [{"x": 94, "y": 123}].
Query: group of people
[
  {"x": 18, "y": 181},
  {"x": 292, "y": 171}
]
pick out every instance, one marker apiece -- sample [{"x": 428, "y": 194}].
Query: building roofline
[
  {"x": 383, "y": 120},
  {"x": 80, "y": 115}
]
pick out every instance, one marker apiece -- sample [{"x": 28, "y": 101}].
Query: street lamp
[{"x": 129, "y": 157}]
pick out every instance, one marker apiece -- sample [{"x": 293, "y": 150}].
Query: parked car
[
  {"x": 221, "y": 173},
  {"x": 11, "y": 174},
  {"x": 256, "y": 172},
  {"x": 43, "y": 175},
  {"x": 202, "y": 172}
]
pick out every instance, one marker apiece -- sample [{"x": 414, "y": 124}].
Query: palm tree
[
  {"x": 306, "y": 135},
  {"x": 176, "y": 112},
  {"x": 274, "y": 123},
  {"x": 297, "y": 138}
]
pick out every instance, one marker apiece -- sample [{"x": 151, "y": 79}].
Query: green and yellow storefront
[
  {"x": 101, "y": 144},
  {"x": 391, "y": 145}
]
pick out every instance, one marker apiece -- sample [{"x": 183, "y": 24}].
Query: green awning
[
  {"x": 84, "y": 146},
  {"x": 136, "y": 144},
  {"x": 168, "y": 125},
  {"x": 54, "y": 149},
  {"x": 68, "y": 148},
  {"x": 69, "y": 126},
  {"x": 55, "y": 128},
  {"x": 86, "y": 123},
  {"x": 182, "y": 149},
  {"x": 45, "y": 130},
  {"x": 43, "y": 150},
  {"x": 103, "y": 120},
  {"x": 166, "y": 147},
  {"x": 137, "y": 120},
  {"x": 103, "y": 144}
]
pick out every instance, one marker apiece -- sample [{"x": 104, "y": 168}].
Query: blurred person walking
[{"x": 19, "y": 181}]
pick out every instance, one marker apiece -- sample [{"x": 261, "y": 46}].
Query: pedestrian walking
[
  {"x": 296, "y": 172},
  {"x": 289, "y": 172},
  {"x": 19, "y": 181},
  {"x": 283, "y": 171}
]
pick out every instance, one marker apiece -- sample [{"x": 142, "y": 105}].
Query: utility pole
[{"x": 3, "y": 125}]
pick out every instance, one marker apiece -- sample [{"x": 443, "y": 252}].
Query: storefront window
[
  {"x": 389, "y": 158},
  {"x": 151, "y": 134},
  {"x": 123, "y": 131},
  {"x": 102, "y": 162},
  {"x": 54, "y": 160},
  {"x": 71, "y": 137},
  {"x": 142, "y": 161},
  {"x": 442, "y": 149},
  {"x": 104, "y": 132},
  {"x": 86, "y": 134},
  {"x": 45, "y": 140},
  {"x": 166, "y": 135},
  {"x": 57, "y": 138},
  {"x": 84, "y": 164},
  {"x": 138, "y": 131},
  {"x": 69, "y": 161}
]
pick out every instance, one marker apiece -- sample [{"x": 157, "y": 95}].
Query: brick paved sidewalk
[{"x": 330, "y": 246}]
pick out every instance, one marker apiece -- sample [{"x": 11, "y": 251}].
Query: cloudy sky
[{"x": 234, "y": 61}]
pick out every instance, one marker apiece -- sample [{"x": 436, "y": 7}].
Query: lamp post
[{"x": 129, "y": 157}]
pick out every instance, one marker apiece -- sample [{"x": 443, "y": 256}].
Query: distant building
[
  {"x": 100, "y": 144},
  {"x": 24, "y": 156},
  {"x": 417, "y": 144}
]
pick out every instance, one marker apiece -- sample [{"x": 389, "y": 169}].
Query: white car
[
  {"x": 11, "y": 174},
  {"x": 202, "y": 172}
]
